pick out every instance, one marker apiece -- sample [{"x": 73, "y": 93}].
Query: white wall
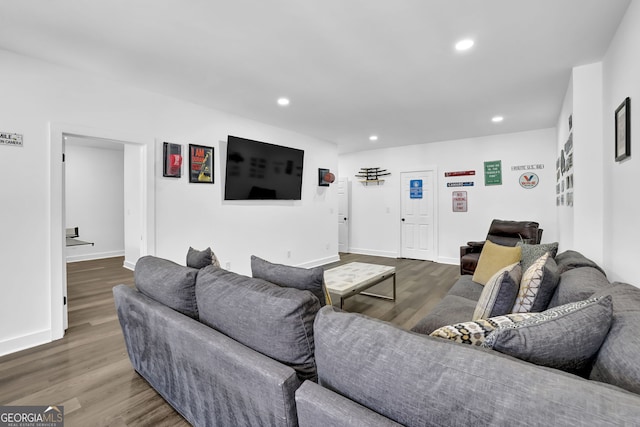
[
  {"x": 564, "y": 212},
  {"x": 621, "y": 68},
  {"x": 375, "y": 216},
  {"x": 43, "y": 95},
  {"x": 95, "y": 200},
  {"x": 581, "y": 223}
]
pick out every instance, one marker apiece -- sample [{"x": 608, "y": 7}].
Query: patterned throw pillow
[
  {"x": 499, "y": 293},
  {"x": 538, "y": 284},
  {"x": 476, "y": 331},
  {"x": 201, "y": 259},
  {"x": 566, "y": 337},
  {"x": 530, "y": 253},
  {"x": 492, "y": 258}
]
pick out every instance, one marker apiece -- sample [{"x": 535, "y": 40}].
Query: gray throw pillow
[
  {"x": 566, "y": 337},
  {"x": 530, "y": 253},
  {"x": 306, "y": 279},
  {"x": 499, "y": 293},
  {"x": 169, "y": 283},
  {"x": 201, "y": 259}
]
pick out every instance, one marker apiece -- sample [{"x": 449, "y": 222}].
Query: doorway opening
[{"x": 138, "y": 200}]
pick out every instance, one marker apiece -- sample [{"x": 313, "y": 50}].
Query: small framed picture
[
  {"x": 200, "y": 164},
  {"x": 172, "y": 160},
  {"x": 623, "y": 130}
]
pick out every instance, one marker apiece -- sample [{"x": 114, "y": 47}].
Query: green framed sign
[{"x": 493, "y": 172}]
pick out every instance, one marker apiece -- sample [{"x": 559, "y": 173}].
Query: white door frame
[
  {"x": 57, "y": 241},
  {"x": 434, "y": 170}
]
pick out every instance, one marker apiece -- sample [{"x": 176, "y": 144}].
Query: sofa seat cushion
[
  {"x": 419, "y": 380},
  {"x": 537, "y": 286},
  {"x": 451, "y": 309},
  {"x": 273, "y": 320},
  {"x": 565, "y": 337},
  {"x": 465, "y": 287},
  {"x": 578, "y": 284},
  {"x": 310, "y": 279},
  {"x": 492, "y": 258},
  {"x": 168, "y": 283},
  {"x": 617, "y": 360}
]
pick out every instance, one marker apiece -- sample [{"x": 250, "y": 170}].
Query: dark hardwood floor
[{"x": 89, "y": 373}]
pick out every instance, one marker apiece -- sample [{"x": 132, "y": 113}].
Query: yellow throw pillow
[{"x": 492, "y": 258}]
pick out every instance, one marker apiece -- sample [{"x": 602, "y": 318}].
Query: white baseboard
[
  {"x": 446, "y": 260},
  {"x": 89, "y": 257},
  {"x": 361, "y": 251},
  {"x": 24, "y": 342},
  {"x": 129, "y": 265}
]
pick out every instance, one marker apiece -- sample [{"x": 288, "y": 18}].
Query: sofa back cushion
[
  {"x": 419, "y": 380},
  {"x": 168, "y": 283},
  {"x": 578, "y": 284},
  {"x": 617, "y": 360},
  {"x": 309, "y": 279},
  {"x": 273, "y": 320}
]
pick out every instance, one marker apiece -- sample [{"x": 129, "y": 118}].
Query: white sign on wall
[
  {"x": 459, "y": 199},
  {"x": 13, "y": 139}
]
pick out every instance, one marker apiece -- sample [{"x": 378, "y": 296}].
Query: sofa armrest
[
  {"x": 206, "y": 376},
  {"x": 320, "y": 407},
  {"x": 476, "y": 245}
]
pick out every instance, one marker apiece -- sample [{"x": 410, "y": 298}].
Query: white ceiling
[{"x": 351, "y": 68}]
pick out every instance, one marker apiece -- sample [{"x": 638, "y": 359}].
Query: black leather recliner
[{"x": 501, "y": 232}]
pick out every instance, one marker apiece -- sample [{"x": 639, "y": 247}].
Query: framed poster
[
  {"x": 493, "y": 172},
  {"x": 623, "y": 130},
  {"x": 200, "y": 164},
  {"x": 171, "y": 160}
]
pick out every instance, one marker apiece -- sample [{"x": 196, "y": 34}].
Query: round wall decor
[{"x": 529, "y": 180}]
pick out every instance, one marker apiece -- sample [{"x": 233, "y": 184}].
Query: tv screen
[{"x": 260, "y": 171}]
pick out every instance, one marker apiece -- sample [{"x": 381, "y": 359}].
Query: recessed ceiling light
[
  {"x": 373, "y": 138},
  {"x": 464, "y": 44},
  {"x": 283, "y": 102},
  {"x": 497, "y": 119}
]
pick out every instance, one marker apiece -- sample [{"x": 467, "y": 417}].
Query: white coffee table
[{"x": 353, "y": 278}]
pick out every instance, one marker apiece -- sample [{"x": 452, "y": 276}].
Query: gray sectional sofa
[
  {"x": 221, "y": 348},
  {"x": 228, "y": 350},
  {"x": 373, "y": 373}
]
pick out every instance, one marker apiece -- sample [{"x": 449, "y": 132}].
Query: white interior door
[
  {"x": 418, "y": 222},
  {"x": 343, "y": 215}
]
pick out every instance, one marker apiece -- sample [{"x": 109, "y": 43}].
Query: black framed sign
[
  {"x": 172, "y": 160},
  {"x": 200, "y": 164},
  {"x": 623, "y": 130}
]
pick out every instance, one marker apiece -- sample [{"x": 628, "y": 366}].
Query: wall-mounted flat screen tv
[{"x": 260, "y": 171}]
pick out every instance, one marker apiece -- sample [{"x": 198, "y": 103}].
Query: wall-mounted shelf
[
  {"x": 372, "y": 175},
  {"x": 371, "y": 181}
]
